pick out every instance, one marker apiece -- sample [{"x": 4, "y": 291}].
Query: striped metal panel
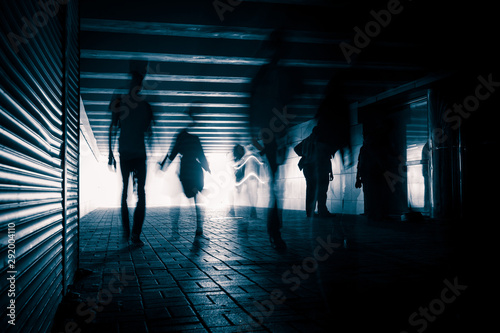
[
  {"x": 71, "y": 105},
  {"x": 38, "y": 149}
]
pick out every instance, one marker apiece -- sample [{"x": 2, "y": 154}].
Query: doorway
[{"x": 396, "y": 145}]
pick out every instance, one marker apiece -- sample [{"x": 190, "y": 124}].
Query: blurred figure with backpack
[{"x": 316, "y": 165}]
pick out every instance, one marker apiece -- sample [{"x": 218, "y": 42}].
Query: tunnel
[{"x": 252, "y": 165}]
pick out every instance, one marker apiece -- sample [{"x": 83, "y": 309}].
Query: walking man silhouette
[{"x": 133, "y": 116}]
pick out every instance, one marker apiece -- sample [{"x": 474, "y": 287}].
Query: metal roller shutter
[
  {"x": 72, "y": 137},
  {"x": 39, "y": 125}
]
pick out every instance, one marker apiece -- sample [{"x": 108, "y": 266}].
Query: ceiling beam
[
  {"x": 225, "y": 60},
  {"x": 204, "y": 31}
]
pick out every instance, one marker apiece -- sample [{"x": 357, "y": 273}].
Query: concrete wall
[{"x": 92, "y": 174}]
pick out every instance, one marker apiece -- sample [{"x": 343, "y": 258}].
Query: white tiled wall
[{"x": 163, "y": 188}]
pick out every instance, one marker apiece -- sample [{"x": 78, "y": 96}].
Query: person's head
[
  {"x": 194, "y": 109},
  {"x": 238, "y": 152},
  {"x": 136, "y": 82},
  {"x": 137, "y": 70},
  {"x": 274, "y": 45}
]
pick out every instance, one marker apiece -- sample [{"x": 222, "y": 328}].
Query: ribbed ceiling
[{"x": 195, "y": 57}]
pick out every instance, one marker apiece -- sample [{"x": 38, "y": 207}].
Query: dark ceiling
[{"x": 197, "y": 53}]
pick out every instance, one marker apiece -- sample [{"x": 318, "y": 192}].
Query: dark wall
[{"x": 465, "y": 109}]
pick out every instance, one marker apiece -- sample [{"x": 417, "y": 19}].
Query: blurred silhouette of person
[
  {"x": 363, "y": 176},
  {"x": 426, "y": 159},
  {"x": 376, "y": 157},
  {"x": 133, "y": 116},
  {"x": 246, "y": 172},
  {"x": 272, "y": 90},
  {"x": 238, "y": 153},
  {"x": 316, "y": 164},
  {"x": 193, "y": 162},
  {"x": 360, "y": 173},
  {"x": 369, "y": 176},
  {"x": 333, "y": 119}
]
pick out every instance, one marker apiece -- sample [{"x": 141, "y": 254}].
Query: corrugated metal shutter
[
  {"x": 72, "y": 137},
  {"x": 38, "y": 155}
]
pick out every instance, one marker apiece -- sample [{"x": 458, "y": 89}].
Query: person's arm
[
  {"x": 173, "y": 153},
  {"x": 111, "y": 157},
  {"x": 332, "y": 155},
  {"x": 176, "y": 148},
  {"x": 162, "y": 163},
  {"x": 358, "y": 179},
  {"x": 203, "y": 160},
  {"x": 113, "y": 130},
  {"x": 204, "y": 164},
  {"x": 358, "y": 174},
  {"x": 149, "y": 135},
  {"x": 298, "y": 149}
]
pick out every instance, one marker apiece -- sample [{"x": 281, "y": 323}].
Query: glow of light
[
  {"x": 416, "y": 186},
  {"x": 219, "y": 184},
  {"x": 251, "y": 174},
  {"x": 238, "y": 166}
]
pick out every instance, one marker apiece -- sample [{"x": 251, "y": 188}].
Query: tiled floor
[{"x": 338, "y": 275}]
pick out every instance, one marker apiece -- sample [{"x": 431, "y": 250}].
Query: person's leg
[
  {"x": 274, "y": 221},
  {"x": 140, "y": 210},
  {"x": 310, "y": 191},
  {"x": 235, "y": 195},
  {"x": 322, "y": 189},
  {"x": 199, "y": 216},
  {"x": 125, "y": 170},
  {"x": 252, "y": 190}
]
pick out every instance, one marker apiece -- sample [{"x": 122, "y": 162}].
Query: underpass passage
[
  {"x": 335, "y": 271},
  {"x": 405, "y": 94}
]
